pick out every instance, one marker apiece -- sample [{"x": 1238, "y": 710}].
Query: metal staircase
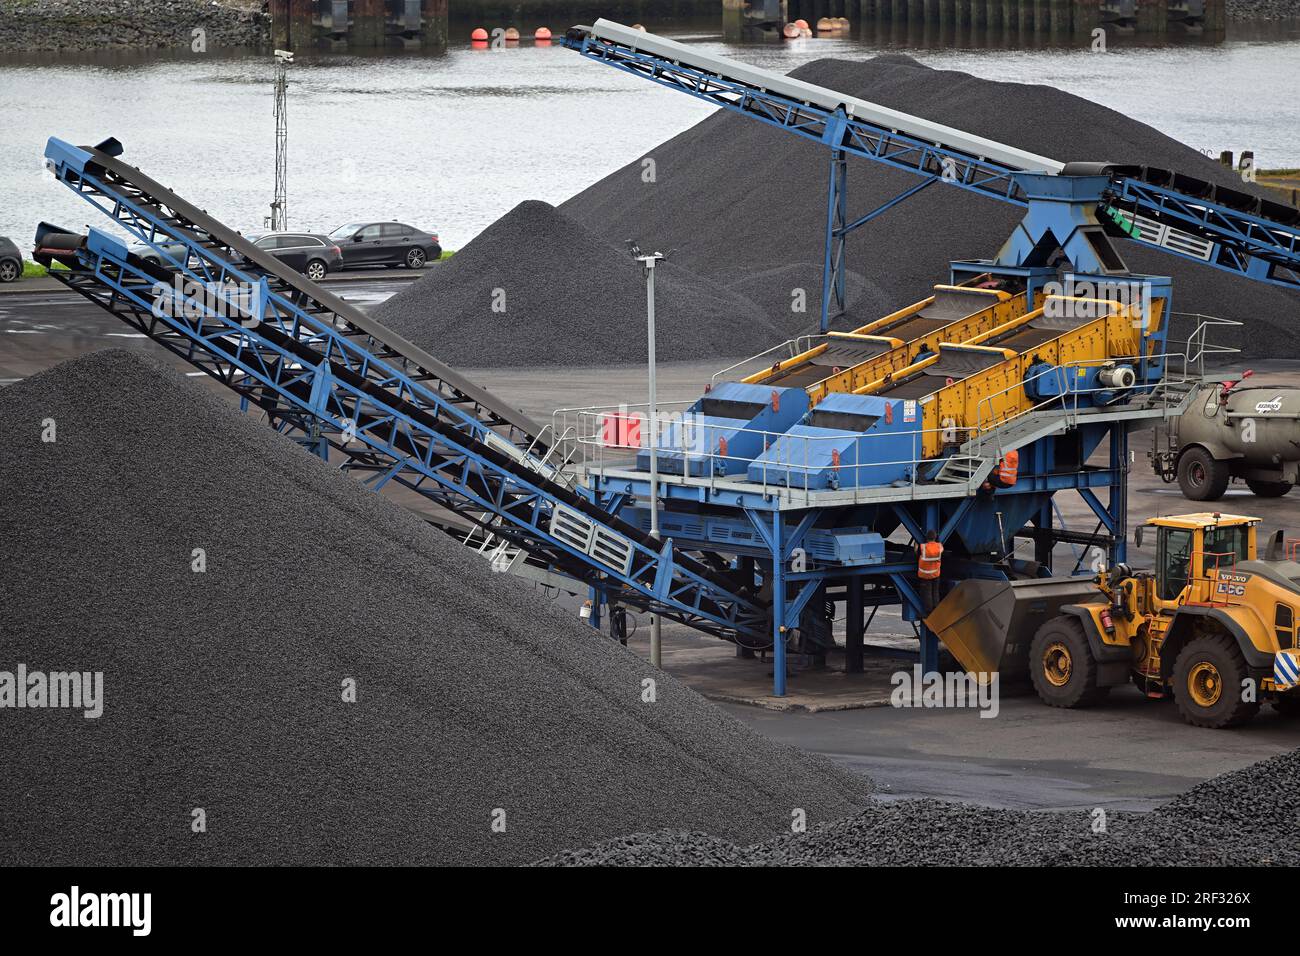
[{"x": 964, "y": 469}]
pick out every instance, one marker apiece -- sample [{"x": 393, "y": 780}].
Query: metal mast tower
[{"x": 279, "y": 218}]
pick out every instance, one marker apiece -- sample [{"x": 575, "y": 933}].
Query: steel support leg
[
  {"x": 853, "y": 627},
  {"x": 836, "y": 221},
  {"x": 778, "y": 607},
  {"x": 838, "y": 228},
  {"x": 1119, "y": 492},
  {"x": 929, "y": 651},
  {"x": 1043, "y": 544}
]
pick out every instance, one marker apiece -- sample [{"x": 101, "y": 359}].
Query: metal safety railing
[
  {"x": 989, "y": 425},
  {"x": 791, "y": 348},
  {"x": 692, "y": 449},
  {"x": 688, "y": 447}
]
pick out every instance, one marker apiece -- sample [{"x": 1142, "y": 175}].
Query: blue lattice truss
[
  {"x": 1246, "y": 244},
  {"x": 311, "y": 370}
]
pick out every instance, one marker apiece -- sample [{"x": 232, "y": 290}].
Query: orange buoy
[
  {"x": 790, "y": 31},
  {"x": 512, "y": 35},
  {"x": 805, "y": 32},
  {"x": 542, "y": 33},
  {"x": 801, "y": 24},
  {"x": 479, "y": 35},
  {"x": 638, "y": 26},
  {"x": 825, "y": 25}
]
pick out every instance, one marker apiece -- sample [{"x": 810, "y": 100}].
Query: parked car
[
  {"x": 11, "y": 261},
  {"x": 314, "y": 255},
  {"x": 153, "y": 254},
  {"x": 386, "y": 244}
]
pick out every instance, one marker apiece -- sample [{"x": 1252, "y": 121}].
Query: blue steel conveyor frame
[
  {"x": 1228, "y": 229},
  {"x": 316, "y": 365}
]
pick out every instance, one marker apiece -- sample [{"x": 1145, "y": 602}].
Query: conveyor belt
[
  {"x": 626, "y": 38},
  {"x": 299, "y": 355},
  {"x": 1225, "y": 228},
  {"x": 952, "y": 366},
  {"x": 838, "y": 354},
  {"x": 951, "y": 304},
  {"x": 190, "y": 222},
  {"x": 841, "y": 353}
]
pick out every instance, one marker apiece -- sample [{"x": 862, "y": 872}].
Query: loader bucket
[{"x": 987, "y": 625}]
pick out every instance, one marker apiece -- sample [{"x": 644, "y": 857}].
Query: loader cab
[{"x": 1188, "y": 547}]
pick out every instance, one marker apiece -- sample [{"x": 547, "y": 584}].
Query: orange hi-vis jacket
[
  {"x": 929, "y": 561},
  {"x": 1007, "y": 469}
]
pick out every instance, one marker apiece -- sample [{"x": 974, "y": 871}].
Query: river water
[{"x": 452, "y": 141}]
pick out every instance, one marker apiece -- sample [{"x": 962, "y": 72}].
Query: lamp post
[{"x": 648, "y": 262}]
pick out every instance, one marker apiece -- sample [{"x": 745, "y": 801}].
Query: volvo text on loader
[{"x": 1213, "y": 625}]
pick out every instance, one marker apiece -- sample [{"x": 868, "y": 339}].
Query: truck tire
[
  {"x": 1268, "y": 489},
  {"x": 1200, "y": 477},
  {"x": 1062, "y": 666},
  {"x": 1208, "y": 675}
]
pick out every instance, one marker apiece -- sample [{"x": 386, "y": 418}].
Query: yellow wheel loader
[{"x": 1212, "y": 624}]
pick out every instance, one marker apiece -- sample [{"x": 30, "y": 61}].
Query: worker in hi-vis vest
[
  {"x": 929, "y": 566},
  {"x": 1005, "y": 474}
]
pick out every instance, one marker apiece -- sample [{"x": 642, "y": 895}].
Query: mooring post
[
  {"x": 300, "y": 29},
  {"x": 367, "y": 23},
  {"x": 1084, "y": 17},
  {"x": 1062, "y": 17},
  {"x": 1153, "y": 16},
  {"x": 436, "y": 30},
  {"x": 1216, "y": 17},
  {"x": 280, "y": 24}
]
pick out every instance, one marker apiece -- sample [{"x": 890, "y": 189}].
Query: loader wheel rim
[
  {"x": 1057, "y": 664},
  {"x": 1205, "y": 684},
  {"x": 1196, "y": 473}
]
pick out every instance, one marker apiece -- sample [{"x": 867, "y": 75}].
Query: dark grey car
[
  {"x": 314, "y": 255},
  {"x": 386, "y": 244},
  {"x": 11, "y": 261}
]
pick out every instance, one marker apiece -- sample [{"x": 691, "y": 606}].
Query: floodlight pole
[{"x": 648, "y": 263}]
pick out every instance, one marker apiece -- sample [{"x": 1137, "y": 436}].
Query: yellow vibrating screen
[
  {"x": 891, "y": 342},
  {"x": 905, "y": 354},
  {"x": 975, "y": 385}
]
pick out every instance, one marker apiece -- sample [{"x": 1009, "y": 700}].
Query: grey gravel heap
[
  {"x": 75, "y": 25},
  {"x": 1248, "y": 817},
  {"x": 223, "y": 689},
  {"x": 536, "y": 288},
  {"x": 1263, "y": 9},
  {"x": 737, "y": 197}
]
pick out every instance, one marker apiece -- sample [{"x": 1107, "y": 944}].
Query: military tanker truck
[{"x": 1232, "y": 431}]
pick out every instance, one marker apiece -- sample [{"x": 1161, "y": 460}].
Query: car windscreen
[{"x": 342, "y": 232}]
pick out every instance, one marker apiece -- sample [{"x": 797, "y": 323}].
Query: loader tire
[
  {"x": 1062, "y": 666},
  {"x": 1200, "y": 477},
  {"x": 1208, "y": 676}
]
